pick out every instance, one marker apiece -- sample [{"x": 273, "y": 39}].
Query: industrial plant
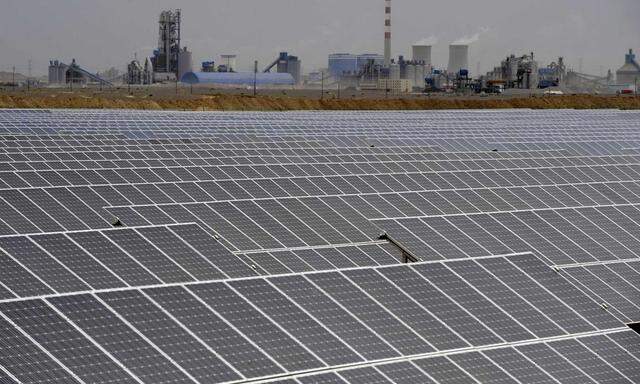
[
  {"x": 171, "y": 63},
  {"x": 252, "y": 209},
  {"x": 61, "y": 73}
]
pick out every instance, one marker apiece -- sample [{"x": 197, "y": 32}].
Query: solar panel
[{"x": 164, "y": 247}]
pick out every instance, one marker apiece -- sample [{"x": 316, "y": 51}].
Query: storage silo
[
  {"x": 290, "y": 64},
  {"x": 629, "y": 73},
  {"x": 394, "y": 72},
  {"x": 57, "y": 72},
  {"x": 411, "y": 74},
  {"x": 421, "y": 73},
  {"x": 185, "y": 62},
  {"x": 458, "y": 58}
]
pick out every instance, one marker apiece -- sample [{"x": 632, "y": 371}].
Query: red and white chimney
[{"x": 387, "y": 33}]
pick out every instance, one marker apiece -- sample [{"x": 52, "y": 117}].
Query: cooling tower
[
  {"x": 422, "y": 53},
  {"x": 458, "y": 58}
]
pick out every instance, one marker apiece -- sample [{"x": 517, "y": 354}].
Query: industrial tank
[
  {"x": 185, "y": 62},
  {"x": 290, "y": 64},
  {"x": 421, "y": 73},
  {"x": 629, "y": 73},
  {"x": 294, "y": 67},
  {"x": 57, "y": 72},
  {"x": 394, "y": 72},
  {"x": 411, "y": 74}
]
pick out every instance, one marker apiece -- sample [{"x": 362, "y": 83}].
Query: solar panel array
[{"x": 319, "y": 247}]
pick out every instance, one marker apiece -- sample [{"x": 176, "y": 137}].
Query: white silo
[
  {"x": 185, "y": 62},
  {"x": 421, "y": 73},
  {"x": 394, "y": 72},
  {"x": 411, "y": 74},
  {"x": 458, "y": 58}
]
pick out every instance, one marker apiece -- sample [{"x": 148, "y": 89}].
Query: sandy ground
[{"x": 203, "y": 98}]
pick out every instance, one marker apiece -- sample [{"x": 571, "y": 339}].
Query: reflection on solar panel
[{"x": 319, "y": 247}]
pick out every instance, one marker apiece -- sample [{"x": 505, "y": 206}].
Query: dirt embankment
[{"x": 270, "y": 103}]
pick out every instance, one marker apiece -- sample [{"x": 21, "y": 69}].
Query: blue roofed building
[{"x": 238, "y": 78}]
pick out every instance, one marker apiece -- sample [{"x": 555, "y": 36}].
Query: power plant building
[{"x": 342, "y": 64}]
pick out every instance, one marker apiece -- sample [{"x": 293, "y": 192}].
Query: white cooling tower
[
  {"x": 422, "y": 53},
  {"x": 458, "y": 58}
]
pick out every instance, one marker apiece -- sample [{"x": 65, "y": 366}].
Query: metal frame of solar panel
[{"x": 253, "y": 247}]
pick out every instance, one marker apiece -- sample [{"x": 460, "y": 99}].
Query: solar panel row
[
  {"x": 534, "y": 363},
  {"x": 248, "y": 247},
  {"x": 302, "y": 322}
]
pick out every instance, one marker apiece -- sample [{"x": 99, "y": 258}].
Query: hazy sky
[{"x": 105, "y": 33}]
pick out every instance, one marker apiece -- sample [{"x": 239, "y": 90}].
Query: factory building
[
  {"x": 286, "y": 63},
  {"x": 629, "y": 73},
  {"x": 522, "y": 72},
  {"x": 552, "y": 75},
  {"x": 368, "y": 71},
  {"x": 169, "y": 60},
  {"x": 437, "y": 81},
  {"x": 239, "y": 79},
  {"x": 291, "y": 65},
  {"x": 289, "y": 73},
  {"x": 374, "y": 71},
  {"x": 57, "y": 72},
  {"x": 344, "y": 64},
  {"x": 395, "y": 85},
  {"x": 139, "y": 74},
  {"x": 61, "y": 73},
  {"x": 412, "y": 71}
]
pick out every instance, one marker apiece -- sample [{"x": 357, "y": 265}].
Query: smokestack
[
  {"x": 458, "y": 58},
  {"x": 387, "y": 33},
  {"x": 422, "y": 53}
]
